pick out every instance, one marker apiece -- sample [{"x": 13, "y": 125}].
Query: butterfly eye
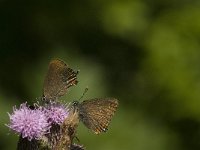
[{"x": 75, "y": 103}]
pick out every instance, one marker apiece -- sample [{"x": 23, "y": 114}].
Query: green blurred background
[{"x": 146, "y": 53}]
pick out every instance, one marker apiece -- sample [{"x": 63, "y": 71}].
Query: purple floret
[
  {"x": 56, "y": 113},
  {"x": 30, "y": 123}
]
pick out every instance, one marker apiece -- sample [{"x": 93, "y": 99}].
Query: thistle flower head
[
  {"x": 56, "y": 113},
  {"x": 30, "y": 123}
]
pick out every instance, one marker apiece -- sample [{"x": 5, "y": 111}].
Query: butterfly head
[{"x": 75, "y": 105}]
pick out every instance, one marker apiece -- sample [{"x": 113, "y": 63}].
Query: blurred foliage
[{"x": 145, "y": 53}]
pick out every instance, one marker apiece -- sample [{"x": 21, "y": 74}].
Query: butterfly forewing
[
  {"x": 58, "y": 79},
  {"x": 96, "y": 114}
]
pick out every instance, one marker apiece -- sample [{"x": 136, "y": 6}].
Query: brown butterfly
[
  {"x": 96, "y": 114},
  {"x": 58, "y": 79}
]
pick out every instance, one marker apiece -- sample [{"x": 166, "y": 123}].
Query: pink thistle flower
[
  {"x": 56, "y": 113},
  {"x": 30, "y": 123}
]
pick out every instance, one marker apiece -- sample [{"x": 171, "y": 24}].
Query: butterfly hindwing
[{"x": 96, "y": 114}]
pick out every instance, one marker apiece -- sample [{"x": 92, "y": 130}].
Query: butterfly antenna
[{"x": 85, "y": 91}]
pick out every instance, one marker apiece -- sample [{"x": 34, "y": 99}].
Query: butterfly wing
[
  {"x": 96, "y": 114},
  {"x": 58, "y": 79}
]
